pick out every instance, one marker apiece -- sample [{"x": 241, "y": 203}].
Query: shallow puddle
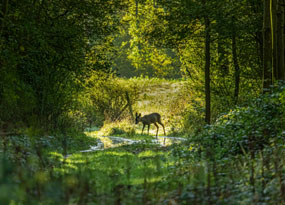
[{"x": 106, "y": 142}]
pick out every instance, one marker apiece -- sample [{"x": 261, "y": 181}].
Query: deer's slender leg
[
  {"x": 143, "y": 128},
  {"x": 148, "y": 128},
  {"x": 162, "y": 126},
  {"x": 157, "y": 129}
]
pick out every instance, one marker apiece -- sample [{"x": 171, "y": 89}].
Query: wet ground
[{"x": 106, "y": 142}]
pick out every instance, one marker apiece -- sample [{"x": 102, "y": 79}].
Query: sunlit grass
[
  {"x": 129, "y": 168},
  {"x": 149, "y": 153},
  {"x": 154, "y": 95}
]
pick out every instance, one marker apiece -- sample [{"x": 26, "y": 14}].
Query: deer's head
[{"x": 138, "y": 117}]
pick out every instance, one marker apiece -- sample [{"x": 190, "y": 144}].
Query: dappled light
[{"x": 142, "y": 102}]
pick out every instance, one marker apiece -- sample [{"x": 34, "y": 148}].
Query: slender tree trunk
[
  {"x": 236, "y": 65},
  {"x": 267, "y": 46},
  {"x": 274, "y": 39},
  {"x": 130, "y": 106},
  {"x": 260, "y": 51},
  {"x": 280, "y": 40},
  {"x": 207, "y": 68}
]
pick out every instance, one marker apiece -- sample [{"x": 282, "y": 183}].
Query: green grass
[
  {"x": 166, "y": 97},
  {"x": 197, "y": 172},
  {"x": 125, "y": 166}
]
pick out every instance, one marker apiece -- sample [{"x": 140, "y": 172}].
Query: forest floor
[
  {"x": 116, "y": 164},
  {"x": 155, "y": 96},
  {"x": 124, "y": 152},
  {"x": 166, "y": 97}
]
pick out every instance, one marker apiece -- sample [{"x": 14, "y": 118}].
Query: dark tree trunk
[
  {"x": 267, "y": 46},
  {"x": 259, "y": 42},
  {"x": 236, "y": 66},
  {"x": 280, "y": 40},
  {"x": 274, "y": 39},
  {"x": 207, "y": 69}
]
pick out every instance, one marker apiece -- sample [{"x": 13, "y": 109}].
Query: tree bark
[
  {"x": 273, "y": 22},
  {"x": 236, "y": 66},
  {"x": 267, "y": 47},
  {"x": 130, "y": 106},
  {"x": 280, "y": 40},
  {"x": 207, "y": 68}
]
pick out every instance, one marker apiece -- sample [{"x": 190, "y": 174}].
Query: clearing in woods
[
  {"x": 130, "y": 160},
  {"x": 155, "y": 95}
]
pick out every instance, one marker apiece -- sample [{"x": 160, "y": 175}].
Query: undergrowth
[{"x": 237, "y": 160}]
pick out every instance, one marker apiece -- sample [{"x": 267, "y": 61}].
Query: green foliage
[
  {"x": 137, "y": 50},
  {"x": 247, "y": 129},
  {"x": 58, "y": 67},
  {"x": 105, "y": 99},
  {"x": 45, "y": 55}
]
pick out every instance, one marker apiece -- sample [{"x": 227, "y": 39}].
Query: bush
[
  {"x": 105, "y": 99},
  {"x": 248, "y": 128}
]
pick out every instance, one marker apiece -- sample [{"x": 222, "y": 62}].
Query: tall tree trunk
[
  {"x": 273, "y": 35},
  {"x": 260, "y": 51},
  {"x": 267, "y": 46},
  {"x": 130, "y": 106},
  {"x": 207, "y": 68},
  {"x": 236, "y": 65},
  {"x": 280, "y": 40}
]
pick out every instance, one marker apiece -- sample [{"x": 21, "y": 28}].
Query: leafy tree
[{"x": 43, "y": 49}]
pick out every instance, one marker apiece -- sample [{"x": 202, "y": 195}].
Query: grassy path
[
  {"x": 129, "y": 167},
  {"x": 154, "y": 95}
]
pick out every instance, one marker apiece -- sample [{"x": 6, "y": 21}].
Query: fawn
[{"x": 149, "y": 119}]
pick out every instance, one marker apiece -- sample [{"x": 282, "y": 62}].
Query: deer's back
[{"x": 151, "y": 118}]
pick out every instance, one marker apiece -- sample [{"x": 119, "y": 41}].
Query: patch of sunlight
[
  {"x": 149, "y": 153},
  {"x": 106, "y": 141},
  {"x": 92, "y": 133},
  {"x": 149, "y": 167},
  {"x": 193, "y": 147},
  {"x": 59, "y": 157},
  {"x": 138, "y": 181},
  {"x": 75, "y": 161},
  {"x": 84, "y": 157},
  {"x": 114, "y": 153},
  {"x": 109, "y": 170},
  {"x": 56, "y": 156},
  {"x": 70, "y": 166}
]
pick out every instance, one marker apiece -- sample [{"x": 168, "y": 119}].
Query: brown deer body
[{"x": 152, "y": 118}]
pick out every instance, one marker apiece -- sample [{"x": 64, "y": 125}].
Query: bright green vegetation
[
  {"x": 167, "y": 97},
  {"x": 223, "y": 164},
  {"x": 73, "y": 74}
]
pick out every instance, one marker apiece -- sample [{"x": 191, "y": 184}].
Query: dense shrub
[
  {"x": 105, "y": 98},
  {"x": 248, "y": 128}
]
